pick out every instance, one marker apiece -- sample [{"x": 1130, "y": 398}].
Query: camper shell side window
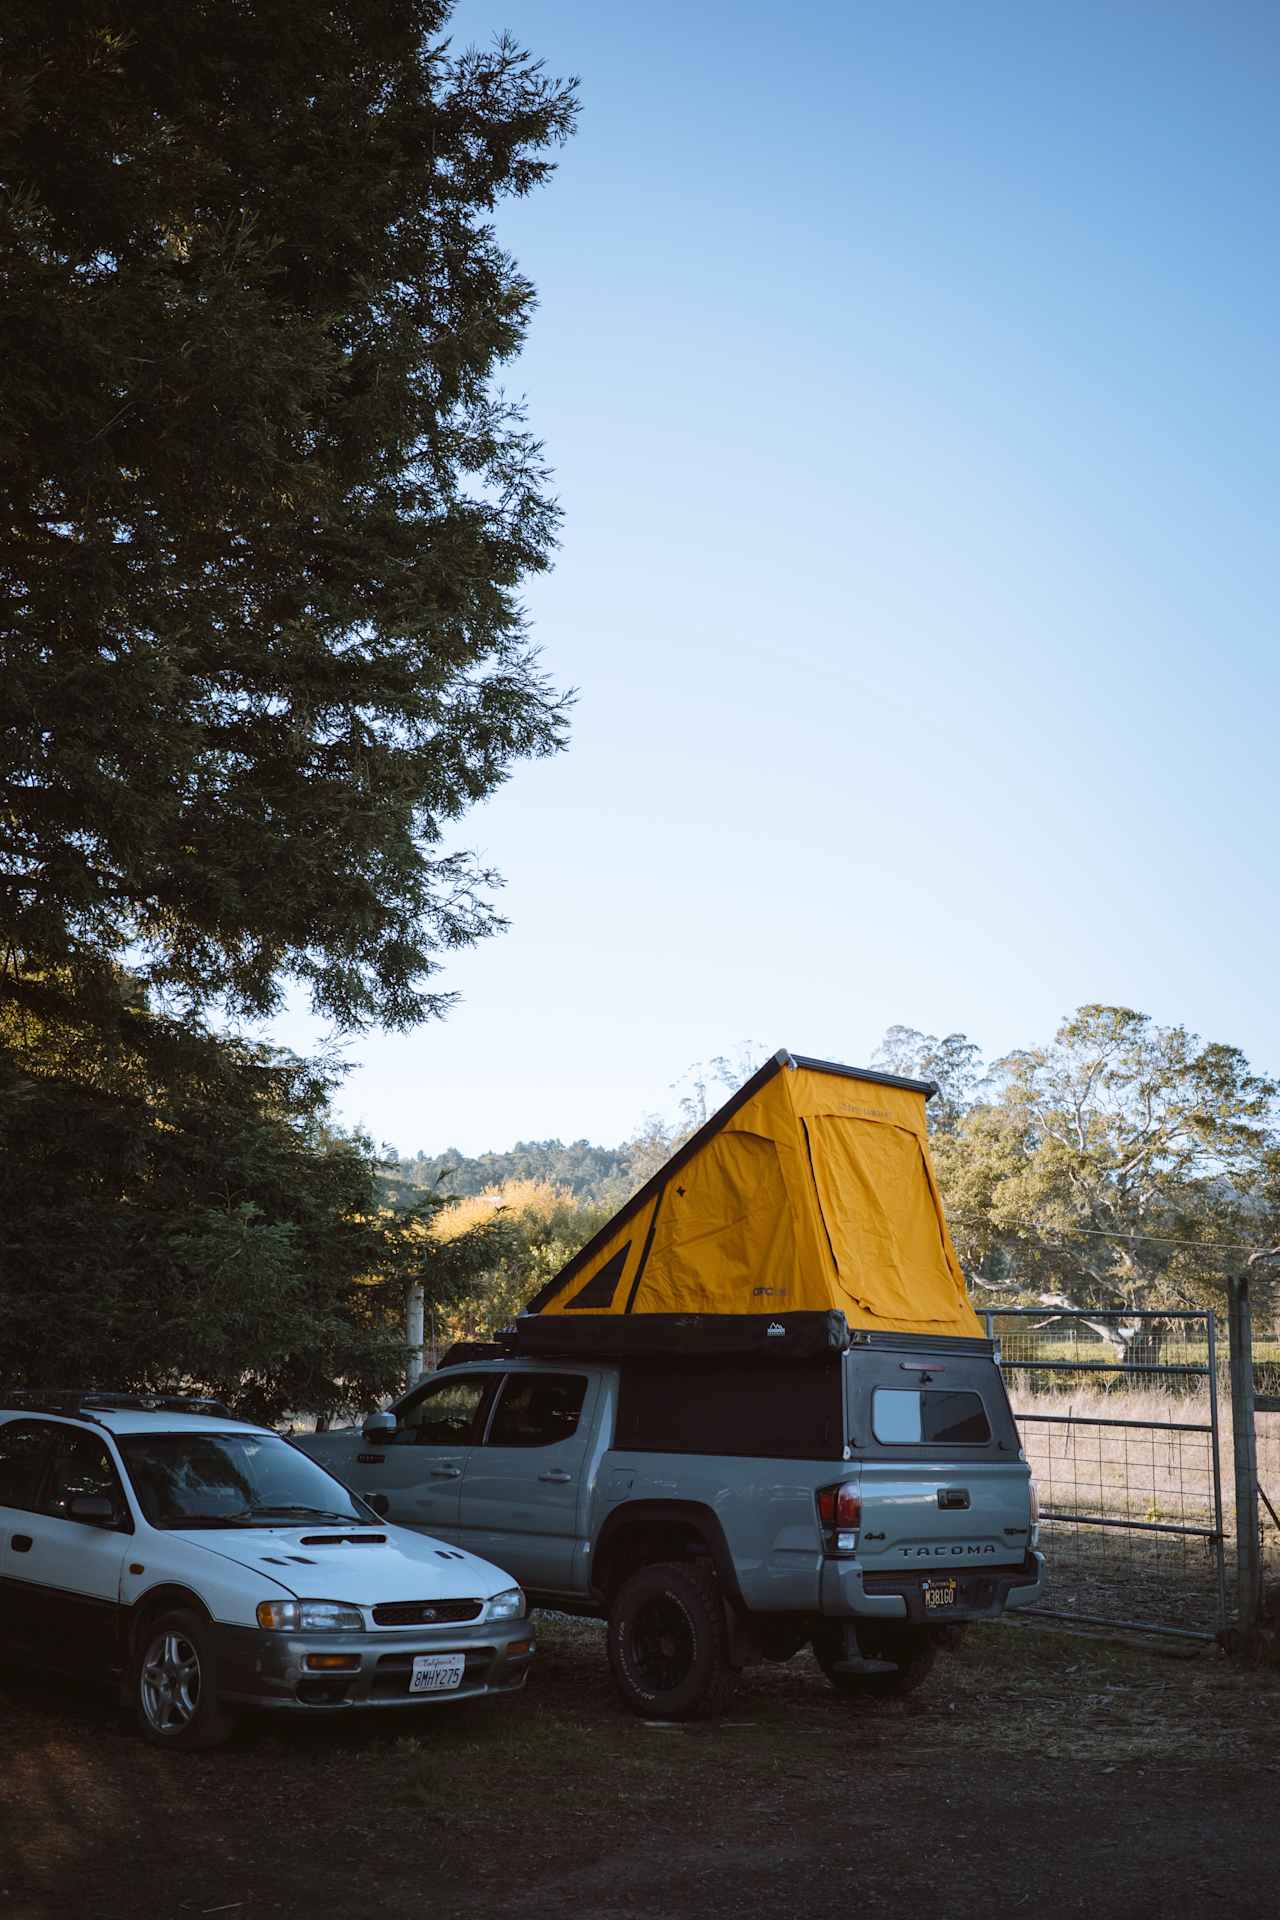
[{"x": 728, "y": 1407}]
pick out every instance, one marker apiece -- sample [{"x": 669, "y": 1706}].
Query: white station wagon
[{"x": 213, "y": 1566}]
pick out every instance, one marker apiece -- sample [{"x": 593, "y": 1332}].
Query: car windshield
[{"x": 231, "y": 1480}]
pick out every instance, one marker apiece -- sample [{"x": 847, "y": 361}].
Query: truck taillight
[
  {"x": 1033, "y": 1493},
  {"x": 840, "y": 1513}
]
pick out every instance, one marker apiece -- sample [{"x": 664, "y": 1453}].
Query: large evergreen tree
[
  {"x": 265, "y": 519},
  {"x": 265, "y": 514}
]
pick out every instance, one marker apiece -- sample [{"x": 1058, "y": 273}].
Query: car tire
[
  {"x": 667, "y": 1642},
  {"x": 913, "y": 1649},
  {"x": 174, "y": 1683}
]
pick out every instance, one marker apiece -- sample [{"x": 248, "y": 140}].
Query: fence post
[{"x": 1245, "y": 1451}]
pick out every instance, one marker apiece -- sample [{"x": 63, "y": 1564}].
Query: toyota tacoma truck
[{"x": 755, "y": 1412}]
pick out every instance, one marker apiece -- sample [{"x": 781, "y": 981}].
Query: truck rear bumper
[{"x": 980, "y": 1595}]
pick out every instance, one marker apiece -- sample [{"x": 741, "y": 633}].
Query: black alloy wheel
[{"x": 667, "y": 1641}]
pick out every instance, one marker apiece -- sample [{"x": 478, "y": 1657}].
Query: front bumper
[
  {"x": 983, "y": 1593},
  {"x": 262, "y": 1669}
]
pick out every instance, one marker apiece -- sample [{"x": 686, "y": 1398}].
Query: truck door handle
[
  {"x": 953, "y": 1497},
  {"x": 21, "y": 1543},
  {"x": 557, "y": 1476},
  {"x": 446, "y": 1473}
]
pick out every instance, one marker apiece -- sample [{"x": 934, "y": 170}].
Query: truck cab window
[
  {"x": 443, "y": 1414},
  {"x": 537, "y": 1410}
]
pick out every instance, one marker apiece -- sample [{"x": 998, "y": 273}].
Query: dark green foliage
[
  {"x": 174, "y": 1210},
  {"x": 265, "y": 516}
]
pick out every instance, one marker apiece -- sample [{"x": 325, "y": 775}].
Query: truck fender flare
[{"x": 702, "y": 1520}]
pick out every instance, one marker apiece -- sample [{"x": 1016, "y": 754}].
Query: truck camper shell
[{"x": 803, "y": 1218}]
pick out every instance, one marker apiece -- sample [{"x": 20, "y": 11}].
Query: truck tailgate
[
  {"x": 942, "y": 1477},
  {"x": 942, "y": 1514}
]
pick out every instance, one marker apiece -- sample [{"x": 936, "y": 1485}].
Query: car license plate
[
  {"x": 939, "y": 1593},
  {"x": 437, "y": 1672}
]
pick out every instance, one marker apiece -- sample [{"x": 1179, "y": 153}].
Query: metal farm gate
[{"x": 1118, "y": 1414}]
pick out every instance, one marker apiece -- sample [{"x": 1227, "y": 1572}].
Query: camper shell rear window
[
  {"x": 774, "y": 1412},
  {"x": 928, "y": 1416}
]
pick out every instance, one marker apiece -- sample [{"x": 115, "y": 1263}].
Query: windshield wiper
[
  {"x": 186, "y": 1521},
  {"x": 307, "y": 1513}
]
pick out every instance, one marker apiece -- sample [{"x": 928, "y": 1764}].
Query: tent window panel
[
  {"x": 879, "y": 1212},
  {"x": 724, "y": 1239},
  {"x": 777, "y": 1413},
  {"x": 602, "y": 1286}
]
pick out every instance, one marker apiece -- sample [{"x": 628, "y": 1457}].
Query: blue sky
[{"x": 908, "y": 373}]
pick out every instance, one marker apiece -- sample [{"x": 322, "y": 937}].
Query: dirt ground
[{"x": 1037, "y": 1771}]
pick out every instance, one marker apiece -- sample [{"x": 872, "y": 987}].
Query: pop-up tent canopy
[{"x": 809, "y": 1193}]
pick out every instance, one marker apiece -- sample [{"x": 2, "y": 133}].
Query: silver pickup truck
[{"x": 717, "y": 1513}]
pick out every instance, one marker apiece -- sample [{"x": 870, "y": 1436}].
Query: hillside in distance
[{"x": 594, "y": 1176}]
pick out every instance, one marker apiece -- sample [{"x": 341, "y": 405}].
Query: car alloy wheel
[{"x": 169, "y": 1683}]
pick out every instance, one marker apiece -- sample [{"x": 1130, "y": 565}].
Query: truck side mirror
[
  {"x": 379, "y": 1502},
  {"x": 379, "y": 1426}
]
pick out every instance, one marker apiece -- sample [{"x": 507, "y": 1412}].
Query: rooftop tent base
[
  {"x": 785, "y": 1339},
  {"x": 775, "y": 1339}
]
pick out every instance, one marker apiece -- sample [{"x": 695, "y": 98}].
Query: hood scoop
[{"x": 343, "y": 1540}]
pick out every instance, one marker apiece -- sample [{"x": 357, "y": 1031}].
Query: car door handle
[
  {"x": 557, "y": 1476},
  {"x": 21, "y": 1543},
  {"x": 446, "y": 1473}
]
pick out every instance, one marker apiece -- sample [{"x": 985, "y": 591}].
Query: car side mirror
[
  {"x": 379, "y": 1502},
  {"x": 379, "y": 1426},
  {"x": 96, "y": 1508}
]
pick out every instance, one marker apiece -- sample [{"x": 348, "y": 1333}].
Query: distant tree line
[{"x": 588, "y": 1174}]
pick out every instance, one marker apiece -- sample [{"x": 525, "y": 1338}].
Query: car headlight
[
  {"x": 310, "y": 1616},
  {"x": 508, "y": 1605}
]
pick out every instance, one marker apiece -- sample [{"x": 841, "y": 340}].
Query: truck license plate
[
  {"x": 939, "y": 1593},
  {"x": 437, "y": 1672}
]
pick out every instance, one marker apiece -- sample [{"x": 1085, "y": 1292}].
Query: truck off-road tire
[
  {"x": 667, "y": 1642},
  {"x": 913, "y": 1648},
  {"x": 173, "y": 1683}
]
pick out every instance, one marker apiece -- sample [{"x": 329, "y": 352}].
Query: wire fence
[{"x": 1119, "y": 1416}]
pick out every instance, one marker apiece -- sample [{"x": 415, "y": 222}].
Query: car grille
[{"x": 426, "y": 1613}]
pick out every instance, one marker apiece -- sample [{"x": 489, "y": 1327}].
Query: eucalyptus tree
[{"x": 1125, "y": 1165}]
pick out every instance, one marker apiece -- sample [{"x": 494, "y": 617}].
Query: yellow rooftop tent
[{"x": 809, "y": 1193}]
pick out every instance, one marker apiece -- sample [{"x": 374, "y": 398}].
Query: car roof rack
[
  {"x": 83, "y": 1403},
  {"x": 468, "y": 1352}
]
